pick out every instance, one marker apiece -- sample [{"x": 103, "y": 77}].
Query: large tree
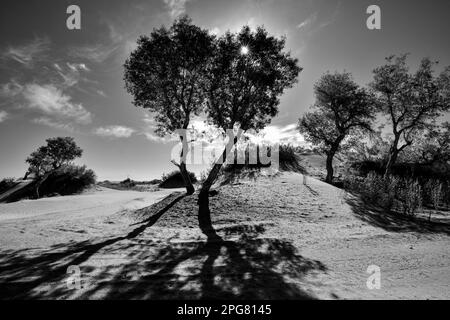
[
  {"x": 411, "y": 101},
  {"x": 249, "y": 72},
  {"x": 166, "y": 75},
  {"x": 342, "y": 108},
  {"x": 47, "y": 159}
]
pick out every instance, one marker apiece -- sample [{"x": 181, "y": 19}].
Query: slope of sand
[{"x": 282, "y": 240}]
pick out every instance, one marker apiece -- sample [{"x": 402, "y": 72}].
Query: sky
[{"x": 60, "y": 82}]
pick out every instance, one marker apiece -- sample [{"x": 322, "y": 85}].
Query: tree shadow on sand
[
  {"x": 131, "y": 267},
  {"x": 395, "y": 222}
]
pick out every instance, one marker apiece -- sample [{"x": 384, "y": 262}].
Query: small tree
[
  {"x": 248, "y": 74},
  {"x": 166, "y": 74},
  {"x": 342, "y": 108},
  {"x": 412, "y": 102},
  {"x": 47, "y": 159}
]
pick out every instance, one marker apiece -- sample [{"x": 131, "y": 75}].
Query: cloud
[
  {"x": 96, "y": 53},
  {"x": 27, "y": 54},
  {"x": 308, "y": 22},
  {"x": 101, "y": 93},
  {"x": 287, "y": 134},
  {"x": 51, "y": 101},
  {"x": 53, "y": 124},
  {"x": 176, "y": 7},
  {"x": 3, "y": 115},
  {"x": 333, "y": 17},
  {"x": 149, "y": 131},
  {"x": 71, "y": 73},
  {"x": 77, "y": 67},
  {"x": 115, "y": 131},
  {"x": 10, "y": 89}
]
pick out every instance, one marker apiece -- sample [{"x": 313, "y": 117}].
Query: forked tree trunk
[
  {"x": 393, "y": 155},
  {"x": 186, "y": 178},
  {"x": 40, "y": 182},
  {"x": 204, "y": 214},
  {"x": 182, "y": 166}
]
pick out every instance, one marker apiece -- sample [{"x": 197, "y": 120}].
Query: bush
[
  {"x": 410, "y": 194},
  {"x": 379, "y": 190},
  {"x": 69, "y": 179},
  {"x": 175, "y": 180},
  {"x": 6, "y": 184},
  {"x": 128, "y": 183},
  {"x": 434, "y": 191}
]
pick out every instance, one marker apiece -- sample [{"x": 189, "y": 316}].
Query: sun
[{"x": 245, "y": 50}]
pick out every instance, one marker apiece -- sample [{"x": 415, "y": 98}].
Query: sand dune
[{"x": 282, "y": 239}]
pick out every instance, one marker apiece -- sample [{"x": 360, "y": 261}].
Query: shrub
[
  {"x": 378, "y": 190},
  {"x": 434, "y": 191},
  {"x": 6, "y": 184},
  {"x": 175, "y": 180},
  {"x": 128, "y": 183},
  {"x": 69, "y": 179},
  {"x": 410, "y": 195}
]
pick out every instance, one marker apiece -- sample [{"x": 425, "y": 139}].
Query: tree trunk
[
  {"x": 182, "y": 166},
  {"x": 40, "y": 182},
  {"x": 204, "y": 214},
  {"x": 393, "y": 154},
  {"x": 187, "y": 180},
  {"x": 330, "y": 171}
]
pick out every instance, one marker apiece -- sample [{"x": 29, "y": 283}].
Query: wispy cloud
[
  {"x": 54, "y": 124},
  {"x": 97, "y": 53},
  {"x": 10, "y": 89},
  {"x": 28, "y": 53},
  {"x": 51, "y": 101},
  {"x": 176, "y": 7},
  {"x": 115, "y": 131},
  {"x": 308, "y": 21},
  {"x": 333, "y": 17},
  {"x": 314, "y": 23},
  {"x": 71, "y": 73},
  {"x": 3, "y": 115}
]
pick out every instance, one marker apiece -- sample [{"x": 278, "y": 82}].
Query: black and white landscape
[{"x": 209, "y": 149}]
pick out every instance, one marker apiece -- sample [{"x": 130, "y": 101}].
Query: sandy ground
[{"x": 282, "y": 240}]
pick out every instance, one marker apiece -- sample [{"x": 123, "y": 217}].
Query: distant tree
[
  {"x": 249, "y": 72},
  {"x": 342, "y": 108},
  {"x": 412, "y": 102},
  {"x": 47, "y": 159},
  {"x": 431, "y": 147},
  {"x": 166, "y": 74}
]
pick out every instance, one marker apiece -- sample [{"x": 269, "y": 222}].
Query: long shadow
[
  {"x": 52, "y": 266},
  {"x": 395, "y": 222},
  {"x": 249, "y": 268}
]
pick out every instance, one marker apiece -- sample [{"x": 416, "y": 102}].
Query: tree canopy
[
  {"x": 167, "y": 71},
  {"x": 248, "y": 74},
  {"x": 56, "y": 153}
]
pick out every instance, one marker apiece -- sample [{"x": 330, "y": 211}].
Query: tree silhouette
[
  {"x": 342, "y": 108},
  {"x": 47, "y": 159},
  {"x": 166, "y": 74},
  {"x": 411, "y": 101},
  {"x": 248, "y": 74}
]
